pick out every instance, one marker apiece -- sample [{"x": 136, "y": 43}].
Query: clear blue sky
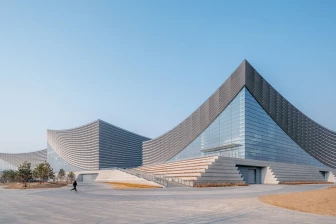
[{"x": 146, "y": 65}]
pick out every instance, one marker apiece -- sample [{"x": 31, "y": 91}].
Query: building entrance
[
  {"x": 87, "y": 178},
  {"x": 251, "y": 176}
]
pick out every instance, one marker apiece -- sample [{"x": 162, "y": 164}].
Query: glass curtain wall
[
  {"x": 224, "y": 136},
  {"x": 244, "y": 130},
  {"x": 265, "y": 140}
]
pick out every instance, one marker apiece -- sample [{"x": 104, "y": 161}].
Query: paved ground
[{"x": 98, "y": 203}]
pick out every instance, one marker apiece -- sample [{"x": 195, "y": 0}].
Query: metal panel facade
[
  {"x": 119, "y": 147},
  {"x": 97, "y": 145},
  {"x": 79, "y": 146}
]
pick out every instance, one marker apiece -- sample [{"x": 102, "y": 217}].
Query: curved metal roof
[{"x": 315, "y": 139}]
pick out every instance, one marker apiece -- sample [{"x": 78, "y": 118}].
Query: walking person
[{"x": 74, "y": 186}]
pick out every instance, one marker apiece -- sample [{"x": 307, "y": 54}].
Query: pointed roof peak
[
  {"x": 245, "y": 61},
  {"x": 247, "y": 65}
]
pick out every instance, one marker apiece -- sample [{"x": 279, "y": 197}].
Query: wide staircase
[
  {"x": 199, "y": 172},
  {"x": 332, "y": 176},
  {"x": 286, "y": 173},
  {"x": 296, "y": 173}
]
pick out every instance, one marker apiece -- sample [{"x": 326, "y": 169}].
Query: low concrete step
[
  {"x": 183, "y": 175},
  {"x": 223, "y": 175},
  {"x": 164, "y": 169},
  {"x": 233, "y": 181},
  {"x": 178, "y": 172}
]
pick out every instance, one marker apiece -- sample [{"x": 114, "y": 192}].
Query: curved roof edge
[
  {"x": 24, "y": 153},
  {"x": 122, "y": 129},
  {"x": 99, "y": 121},
  {"x": 315, "y": 139},
  {"x": 18, "y": 158},
  {"x": 71, "y": 129}
]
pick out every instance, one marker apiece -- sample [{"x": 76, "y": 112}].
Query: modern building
[
  {"x": 244, "y": 132},
  {"x": 94, "y": 146},
  {"x": 11, "y": 161},
  {"x": 246, "y": 118}
]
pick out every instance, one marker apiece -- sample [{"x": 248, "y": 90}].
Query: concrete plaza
[{"x": 99, "y": 203}]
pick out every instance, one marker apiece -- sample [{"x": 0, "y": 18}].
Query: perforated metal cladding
[
  {"x": 78, "y": 146},
  {"x": 266, "y": 95},
  {"x": 169, "y": 144},
  {"x": 315, "y": 139},
  {"x": 16, "y": 159},
  {"x": 213, "y": 106}
]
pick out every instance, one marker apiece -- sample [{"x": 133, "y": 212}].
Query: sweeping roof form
[{"x": 317, "y": 140}]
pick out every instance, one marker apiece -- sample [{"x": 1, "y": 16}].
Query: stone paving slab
[{"x": 98, "y": 203}]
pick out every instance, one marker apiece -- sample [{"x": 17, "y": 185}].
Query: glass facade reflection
[
  {"x": 265, "y": 140},
  {"x": 244, "y": 130},
  {"x": 6, "y": 166},
  {"x": 58, "y": 163},
  {"x": 226, "y": 131}
]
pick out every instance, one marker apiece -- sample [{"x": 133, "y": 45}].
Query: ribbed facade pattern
[
  {"x": 119, "y": 147},
  {"x": 79, "y": 147},
  {"x": 14, "y": 160},
  {"x": 97, "y": 145},
  {"x": 315, "y": 139}
]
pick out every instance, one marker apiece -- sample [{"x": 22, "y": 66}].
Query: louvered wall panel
[
  {"x": 291, "y": 121},
  {"x": 266, "y": 95},
  {"x": 195, "y": 123},
  {"x": 204, "y": 115},
  {"x": 119, "y": 147},
  {"x": 213, "y": 106},
  {"x": 257, "y": 87},
  {"x": 224, "y": 94},
  {"x": 285, "y": 116},
  {"x": 273, "y": 96},
  {"x": 97, "y": 145},
  {"x": 75, "y": 146}
]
